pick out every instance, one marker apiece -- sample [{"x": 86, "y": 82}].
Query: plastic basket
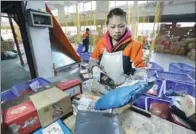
[
  {"x": 152, "y": 72},
  {"x": 85, "y": 56},
  {"x": 140, "y": 102},
  {"x": 182, "y": 68},
  {"x": 25, "y": 85},
  {"x": 79, "y": 50},
  {"x": 149, "y": 100},
  {"x": 175, "y": 77},
  {"x": 177, "y": 86},
  {"x": 159, "y": 83},
  {"x": 153, "y": 67},
  {"x": 7, "y": 95}
]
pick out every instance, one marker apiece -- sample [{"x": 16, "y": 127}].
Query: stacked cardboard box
[
  {"x": 174, "y": 40},
  {"x": 39, "y": 109},
  {"x": 191, "y": 48},
  {"x": 7, "y": 46},
  {"x": 51, "y": 105},
  {"x": 172, "y": 45}
]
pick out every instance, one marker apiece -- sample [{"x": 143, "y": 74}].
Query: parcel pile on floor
[
  {"x": 170, "y": 96},
  {"x": 176, "y": 41}
]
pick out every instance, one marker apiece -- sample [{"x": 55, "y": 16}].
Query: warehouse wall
[{"x": 40, "y": 44}]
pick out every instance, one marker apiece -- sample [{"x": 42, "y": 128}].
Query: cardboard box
[
  {"x": 22, "y": 118},
  {"x": 51, "y": 105},
  {"x": 7, "y": 46},
  {"x": 188, "y": 106},
  {"x": 192, "y": 55},
  {"x": 71, "y": 87}
]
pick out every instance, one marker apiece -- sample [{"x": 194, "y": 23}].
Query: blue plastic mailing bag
[
  {"x": 122, "y": 96},
  {"x": 55, "y": 128}
]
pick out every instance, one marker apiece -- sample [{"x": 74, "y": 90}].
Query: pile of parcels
[
  {"x": 7, "y": 45},
  {"x": 41, "y": 109},
  {"x": 191, "y": 49},
  {"x": 173, "y": 41}
]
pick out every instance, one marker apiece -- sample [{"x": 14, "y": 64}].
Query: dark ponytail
[{"x": 116, "y": 12}]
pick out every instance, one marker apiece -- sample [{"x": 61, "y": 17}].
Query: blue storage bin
[
  {"x": 182, "y": 68},
  {"x": 150, "y": 100},
  {"x": 85, "y": 56},
  {"x": 140, "y": 102},
  {"x": 25, "y": 85},
  {"x": 152, "y": 72},
  {"x": 7, "y": 95},
  {"x": 177, "y": 86},
  {"x": 159, "y": 83},
  {"x": 79, "y": 50},
  {"x": 153, "y": 67},
  {"x": 175, "y": 77}
]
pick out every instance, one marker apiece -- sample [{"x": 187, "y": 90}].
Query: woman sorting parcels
[{"x": 117, "y": 52}]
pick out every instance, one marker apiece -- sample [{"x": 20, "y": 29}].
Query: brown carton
[{"x": 51, "y": 105}]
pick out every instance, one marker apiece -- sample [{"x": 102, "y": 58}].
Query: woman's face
[{"x": 117, "y": 26}]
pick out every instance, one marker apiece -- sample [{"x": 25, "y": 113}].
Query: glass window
[
  {"x": 72, "y": 9},
  {"x": 93, "y": 5},
  {"x": 81, "y": 7},
  {"x": 120, "y": 3},
  {"x": 66, "y": 10},
  {"x": 87, "y": 6},
  {"x": 111, "y": 4},
  {"x": 130, "y": 3},
  {"x": 55, "y": 12},
  {"x": 142, "y": 2},
  {"x": 186, "y": 24}
]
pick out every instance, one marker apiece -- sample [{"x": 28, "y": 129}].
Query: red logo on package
[
  {"x": 22, "y": 118},
  {"x": 69, "y": 84}
]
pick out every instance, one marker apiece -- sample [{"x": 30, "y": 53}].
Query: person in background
[
  {"x": 85, "y": 38},
  {"x": 117, "y": 52}
]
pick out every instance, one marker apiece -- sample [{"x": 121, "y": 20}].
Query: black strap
[{"x": 122, "y": 47}]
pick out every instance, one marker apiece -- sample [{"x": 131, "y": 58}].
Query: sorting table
[
  {"x": 131, "y": 122},
  {"x": 134, "y": 123}
]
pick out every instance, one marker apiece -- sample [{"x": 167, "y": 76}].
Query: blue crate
[
  {"x": 80, "y": 48},
  {"x": 153, "y": 68},
  {"x": 177, "y": 86},
  {"x": 25, "y": 85},
  {"x": 85, "y": 56},
  {"x": 182, "y": 68},
  {"x": 7, "y": 95},
  {"x": 153, "y": 65},
  {"x": 152, "y": 72},
  {"x": 159, "y": 83},
  {"x": 140, "y": 101},
  {"x": 149, "y": 100},
  {"x": 175, "y": 77}
]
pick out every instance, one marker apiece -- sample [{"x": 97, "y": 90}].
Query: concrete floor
[
  {"x": 12, "y": 73},
  {"x": 164, "y": 59}
]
